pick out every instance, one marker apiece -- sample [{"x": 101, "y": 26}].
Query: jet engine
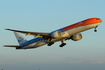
[
  {"x": 56, "y": 34},
  {"x": 76, "y": 37}
]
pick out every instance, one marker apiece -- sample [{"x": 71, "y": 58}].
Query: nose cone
[{"x": 98, "y": 20}]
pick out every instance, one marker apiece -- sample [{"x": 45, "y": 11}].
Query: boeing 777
[{"x": 72, "y": 32}]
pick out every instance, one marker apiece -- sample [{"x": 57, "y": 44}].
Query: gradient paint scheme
[
  {"x": 39, "y": 41},
  {"x": 79, "y": 24},
  {"x": 83, "y": 23}
]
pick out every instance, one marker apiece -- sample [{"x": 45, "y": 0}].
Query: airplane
[{"x": 72, "y": 32}]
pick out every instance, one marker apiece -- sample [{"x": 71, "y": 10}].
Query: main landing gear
[
  {"x": 95, "y": 29},
  {"x": 63, "y": 44},
  {"x": 51, "y": 43}
]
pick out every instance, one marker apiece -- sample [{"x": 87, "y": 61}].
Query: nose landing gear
[{"x": 95, "y": 29}]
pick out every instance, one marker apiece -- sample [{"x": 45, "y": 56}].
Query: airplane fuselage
[{"x": 66, "y": 32}]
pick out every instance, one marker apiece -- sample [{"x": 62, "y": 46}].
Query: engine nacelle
[
  {"x": 56, "y": 34},
  {"x": 76, "y": 37}
]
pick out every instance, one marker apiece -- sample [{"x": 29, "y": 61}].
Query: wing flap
[
  {"x": 36, "y": 34},
  {"x": 12, "y": 46}
]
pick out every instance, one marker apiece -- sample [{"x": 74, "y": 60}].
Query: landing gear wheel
[
  {"x": 51, "y": 43},
  {"x": 63, "y": 44},
  {"x": 95, "y": 30}
]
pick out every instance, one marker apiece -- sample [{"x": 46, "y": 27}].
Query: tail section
[{"x": 20, "y": 38}]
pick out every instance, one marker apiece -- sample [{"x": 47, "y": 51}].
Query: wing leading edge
[{"x": 36, "y": 34}]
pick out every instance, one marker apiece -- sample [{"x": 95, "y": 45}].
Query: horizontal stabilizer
[{"x": 12, "y": 46}]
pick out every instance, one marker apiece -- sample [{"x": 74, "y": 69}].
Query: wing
[
  {"x": 12, "y": 46},
  {"x": 36, "y": 34}
]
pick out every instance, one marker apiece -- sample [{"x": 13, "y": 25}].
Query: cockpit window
[{"x": 97, "y": 19}]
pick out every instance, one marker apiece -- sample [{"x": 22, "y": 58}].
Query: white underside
[
  {"x": 82, "y": 28},
  {"x": 70, "y": 32}
]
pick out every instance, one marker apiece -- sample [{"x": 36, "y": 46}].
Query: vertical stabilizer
[{"x": 20, "y": 38}]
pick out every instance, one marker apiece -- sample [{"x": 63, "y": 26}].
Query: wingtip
[
  {"x": 4, "y": 45},
  {"x": 7, "y": 29}
]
